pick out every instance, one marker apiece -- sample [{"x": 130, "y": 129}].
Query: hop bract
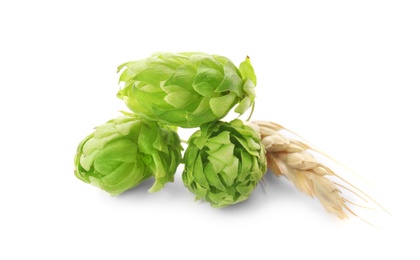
[
  {"x": 120, "y": 154},
  {"x": 187, "y": 89},
  {"x": 224, "y": 162}
]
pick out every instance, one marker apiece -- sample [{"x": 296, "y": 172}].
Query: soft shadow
[
  {"x": 271, "y": 192},
  {"x": 171, "y": 192},
  {"x": 275, "y": 191},
  {"x": 141, "y": 189}
]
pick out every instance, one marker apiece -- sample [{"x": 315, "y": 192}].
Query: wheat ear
[{"x": 290, "y": 158}]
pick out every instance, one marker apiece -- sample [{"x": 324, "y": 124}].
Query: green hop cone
[
  {"x": 187, "y": 89},
  {"x": 123, "y": 152},
  {"x": 224, "y": 162}
]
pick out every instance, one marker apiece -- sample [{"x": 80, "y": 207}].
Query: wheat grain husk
[{"x": 291, "y": 158}]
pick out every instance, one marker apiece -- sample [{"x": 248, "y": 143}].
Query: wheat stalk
[{"x": 290, "y": 158}]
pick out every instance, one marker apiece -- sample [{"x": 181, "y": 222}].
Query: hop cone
[
  {"x": 224, "y": 162},
  {"x": 120, "y": 154},
  {"x": 187, "y": 89}
]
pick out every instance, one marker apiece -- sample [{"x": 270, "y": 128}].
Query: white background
[{"x": 342, "y": 74}]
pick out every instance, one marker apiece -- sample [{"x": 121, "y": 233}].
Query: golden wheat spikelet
[{"x": 291, "y": 158}]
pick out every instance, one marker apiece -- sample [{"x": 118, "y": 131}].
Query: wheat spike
[{"x": 290, "y": 158}]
